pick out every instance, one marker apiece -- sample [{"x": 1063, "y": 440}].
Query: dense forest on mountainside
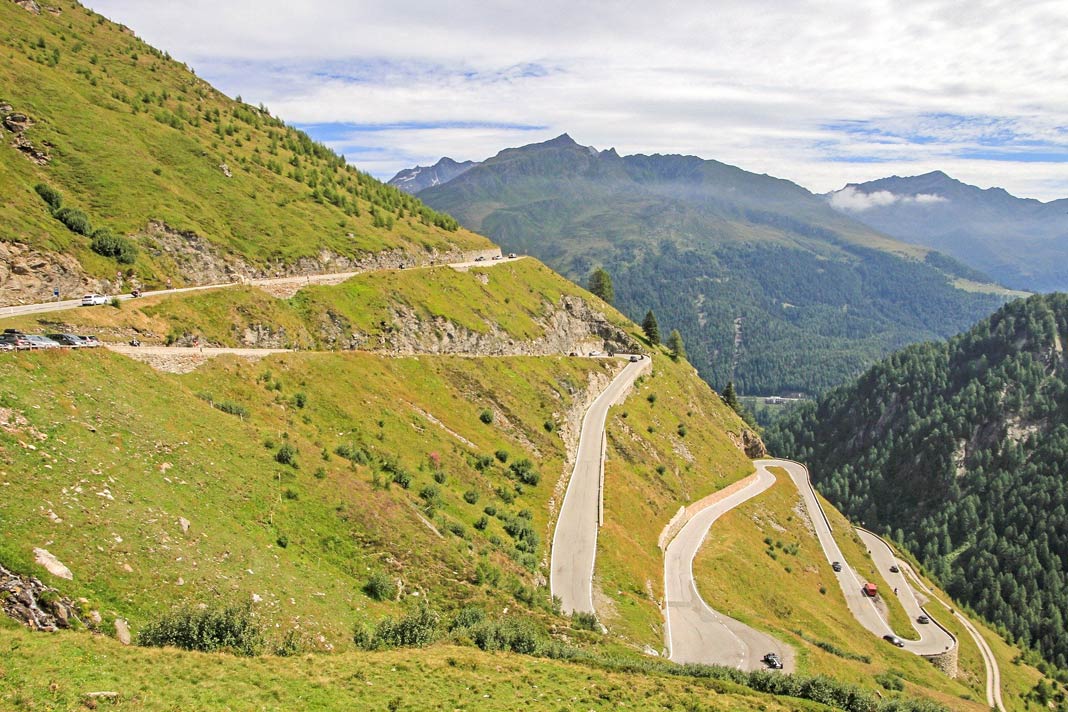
[
  {"x": 768, "y": 285},
  {"x": 958, "y": 450},
  {"x": 198, "y": 176},
  {"x": 1021, "y": 242}
]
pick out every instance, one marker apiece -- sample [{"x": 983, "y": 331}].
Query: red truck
[{"x": 870, "y": 590}]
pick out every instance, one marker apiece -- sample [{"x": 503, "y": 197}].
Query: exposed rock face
[
  {"x": 28, "y": 275},
  {"x": 947, "y": 661},
  {"x": 40, "y": 607},
  {"x": 750, "y": 443},
  {"x": 53, "y": 565},
  {"x": 17, "y": 123},
  {"x": 573, "y": 326},
  {"x": 29, "y": 5}
]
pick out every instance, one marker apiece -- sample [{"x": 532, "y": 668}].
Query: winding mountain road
[
  {"x": 293, "y": 280},
  {"x": 575, "y": 538},
  {"x": 695, "y": 632}
]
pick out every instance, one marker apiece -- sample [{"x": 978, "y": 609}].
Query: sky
[{"x": 821, "y": 92}]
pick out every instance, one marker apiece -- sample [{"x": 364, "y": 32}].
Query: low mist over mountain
[
  {"x": 1022, "y": 243},
  {"x": 957, "y": 449},
  {"x": 769, "y": 285}
]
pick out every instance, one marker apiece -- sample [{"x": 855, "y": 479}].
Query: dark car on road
[
  {"x": 894, "y": 640},
  {"x": 894, "y": 569},
  {"x": 837, "y": 566},
  {"x": 773, "y": 661},
  {"x": 67, "y": 340}
]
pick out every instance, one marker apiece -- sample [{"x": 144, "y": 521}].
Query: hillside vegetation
[
  {"x": 769, "y": 286},
  {"x": 203, "y": 185},
  {"x": 956, "y": 449},
  {"x": 511, "y": 307}
]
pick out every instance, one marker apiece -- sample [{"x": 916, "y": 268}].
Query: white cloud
[
  {"x": 849, "y": 199},
  {"x": 760, "y": 89}
]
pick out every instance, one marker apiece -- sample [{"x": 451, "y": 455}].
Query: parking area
[{"x": 15, "y": 340}]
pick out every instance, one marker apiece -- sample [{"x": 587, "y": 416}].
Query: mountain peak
[{"x": 562, "y": 140}]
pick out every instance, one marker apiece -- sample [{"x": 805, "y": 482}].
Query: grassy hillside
[
  {"x": 769, "y": 286},
  {"x": 515, "y": 300},
  {"x": 136, "y": 137}
]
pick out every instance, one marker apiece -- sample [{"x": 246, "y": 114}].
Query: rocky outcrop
[
  {"x": 750, "y": 443},
  {"x": 946, "y": 662},
  {"x": 29, "y": 6},
  {"x": 38, "y": 606},
  {"x": 572, "y": 326},
  {"x": 28, "y": 275},
  {"x": 18, "y": 123}
]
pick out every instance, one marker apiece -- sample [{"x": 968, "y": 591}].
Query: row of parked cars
[{"x": 15, "y": 340}]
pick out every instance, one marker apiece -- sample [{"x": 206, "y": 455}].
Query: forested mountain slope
[
  {"x": 769, "y": 285},
  {"x": 187, "y": 184},
  {"x": 958, "y": 450},
  {"x": 1021, "y": 242}
]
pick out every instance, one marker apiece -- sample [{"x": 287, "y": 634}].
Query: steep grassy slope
[
  {"x": 957, "y": 450},
  {"x": 121, "y": 454},
  {"x": 135, "y": 137},
  {"x": 514, "y": 302},
  {"x": 818, "y": 296},
  {"x": 36, "y": 677}
]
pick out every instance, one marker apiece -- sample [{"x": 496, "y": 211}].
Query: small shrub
[
  {"x": 549, "y": 426},
  {"x": 320, "y": 473},
  {"x": 286, "y": 455},
  {"x": 282, "y": 541},
  {"x": 230, "y": 629},
  {"x": 651, "y": 398},
  {"x": 467, "y": 617},
  {"x": 511, "y": 633},
  {"x": 75, "y": 220},
  {"x": 681, "y": 430},
  {"x": 352, "y": 453},
  {"x": 524, "y": 471},
  {"x": 458, "y": 529},
  {"x": 291, "y": 494},
  {"x": 890, "y": 681},
  {"x": 490, "y": 510},
  {"x": 581, "y": 620},
  {"x": 660, "y": 469},
  {"x": 50, "y": 195},
  {"x": 486, "y": 416},
  {"x": 502, "y": 455},
  {"x": 418, "y": 628},
  {"x": 439, "y": 477},
  {"x": 231, "y": 408},
  {"x": 471, "y": 497},
  {"x": 486, "y": 573},
  {"x": 108, "y": 244},
  {"x": 481, "y": 523},
  {"x": 380, "y": 587},
  {"x": 402, "y": 478},
  {"x": 431, "y": 495}
]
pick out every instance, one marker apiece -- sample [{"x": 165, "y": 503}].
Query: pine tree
[
  {"x": 600, "y": 283},
  {"x": 674, "y": 342},
  {"x": 730, "y": 397},
  {"x": 649, "y": 326}
]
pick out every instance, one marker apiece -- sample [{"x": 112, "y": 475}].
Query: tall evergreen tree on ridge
[
  {"x": 600, "y": 283},
  {"x": 674, "y": 342},
  {"x": 650, "y": 327}
]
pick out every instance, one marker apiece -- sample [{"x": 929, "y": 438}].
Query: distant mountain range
[
  {"x": 413, "y": 180},
  {"x": 1020, "y": 242},
  {"x": 770, "y": 285}
]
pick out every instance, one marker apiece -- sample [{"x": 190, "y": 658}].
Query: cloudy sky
[{"x": 823, "y": 92}]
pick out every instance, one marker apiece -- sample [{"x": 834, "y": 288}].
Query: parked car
[
  {"x": 90, "y": 341},
  {"x": 6, "y": 347},
  {"x": 512, "y": 255},
  {"x": 894, "y": 569},
  {"x": 497, "y": 257},
  {"x": 41, "y": 342},
  {"x": 480, "y": 258},
  {"x": 12, "y": 331},
  {"x": 16, "y": 341},
  {"x": 773, "y": 661},
  {"x": 595, "y": 353},
  {"x": 837, "y": 566},
  {"x": 71, "y": 340},
  {"x": 94, "y": 300},
  {"x": 923, "y": 619},
  {"x": 894, "y": 640}
]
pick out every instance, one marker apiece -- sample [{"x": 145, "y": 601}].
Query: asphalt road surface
[
  {"x": 933, "y": 639},
  {"x": 575, "y": 539},
  {"x": 695, "y": 632}
]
